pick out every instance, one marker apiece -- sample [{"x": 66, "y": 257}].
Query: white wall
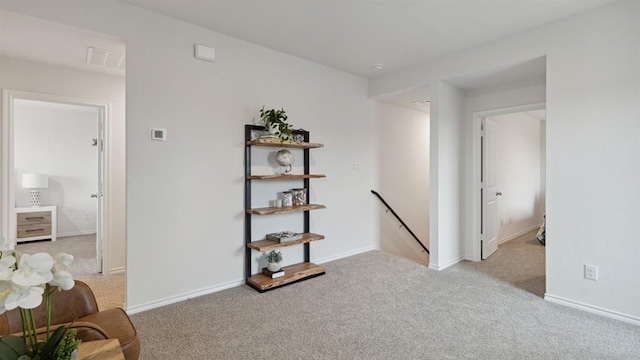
[
  {"x": 520, "y": 207},
  {"x": 404, "y": 179},
  {"x": 447, "y": 112},
  {"x": 55, "y": 80},
  {"x": 55, "y": 139},
  {"x": 592, "y": 88},
  {"x": 185, "y": 196}
]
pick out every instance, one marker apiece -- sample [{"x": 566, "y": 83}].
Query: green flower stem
[
  {"x": 47, "y": 294},
  {"x": 23, "y": 316},
  {"x": 34, "y": 335},
  {"x": 28, "y": 329}
]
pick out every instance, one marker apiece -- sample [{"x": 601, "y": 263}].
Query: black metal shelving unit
[{"x": 293, "y": 273}]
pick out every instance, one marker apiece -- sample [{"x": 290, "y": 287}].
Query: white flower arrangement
[{"x": 25, "y": 280}]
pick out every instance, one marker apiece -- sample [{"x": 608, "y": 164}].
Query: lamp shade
[{"x": 35, "y": 181}]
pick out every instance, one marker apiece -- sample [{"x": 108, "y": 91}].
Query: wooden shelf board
[
  {"x": 292, "y": 273},
  {"x": 288, "y": 143},
  {"x": 284, "y": 209},
  {"x": 268, "y": 245},
  {"x": 286, "y": 177}
]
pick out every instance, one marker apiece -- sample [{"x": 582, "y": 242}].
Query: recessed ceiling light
[
  {"x": 421, "y": 102},
  {"x": 377, "y": 67}
]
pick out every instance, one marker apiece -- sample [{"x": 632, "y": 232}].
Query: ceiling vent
[{"x": 105, "y": 58}]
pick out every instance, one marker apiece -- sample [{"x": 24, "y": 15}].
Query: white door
[
  {"x": 489, "y": 192},
  {"x": 100, "y": 193}
]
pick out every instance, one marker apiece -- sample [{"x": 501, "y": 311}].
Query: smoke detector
[
  {"x": 105, "y": 58},
  {"x": 377, "y": 67}
]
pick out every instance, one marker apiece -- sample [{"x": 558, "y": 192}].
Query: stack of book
[
  {"x": 273, "y": 274},
  {"x": 284, "y": 236}
]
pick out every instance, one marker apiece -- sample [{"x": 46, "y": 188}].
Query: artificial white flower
[
  {"x": 63, "y": 280},
  {"x": 6, "y": 267},
  {"x": 26, "y": 297},
  {"x": 62, "y": 262},
  {"x": 33, "y": 270}
]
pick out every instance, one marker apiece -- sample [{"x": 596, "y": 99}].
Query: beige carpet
[
  {"x": 520, "y": 262},
  {"x": 378, "y": 306},
  {"x": 109, "y": 290}
]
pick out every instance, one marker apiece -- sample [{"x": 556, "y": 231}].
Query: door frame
[
  {"x": 473, "y": 242},
  {"x": 7, "y": 195}
]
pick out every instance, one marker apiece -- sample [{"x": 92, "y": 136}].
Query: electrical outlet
[{"x": 590, "y": 272}]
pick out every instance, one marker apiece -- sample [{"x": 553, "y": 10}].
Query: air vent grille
[{"x": 105, "y": 58}]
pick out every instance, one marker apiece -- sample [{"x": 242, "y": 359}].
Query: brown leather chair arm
[{"x": 86, "y": 331}]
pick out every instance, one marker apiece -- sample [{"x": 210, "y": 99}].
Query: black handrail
[{"x": 401, "y": 222}]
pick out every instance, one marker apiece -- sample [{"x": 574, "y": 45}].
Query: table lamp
[{"x": 35, "y": 182}]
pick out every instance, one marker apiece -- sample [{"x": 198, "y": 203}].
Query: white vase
[
  {"x": 273, "y": 129},
  {"x": 273, "y": 266}
]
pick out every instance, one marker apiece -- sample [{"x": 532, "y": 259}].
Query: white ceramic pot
[
  {"x": 273, "y": 266},
  {"x": 273, "y": 129}
]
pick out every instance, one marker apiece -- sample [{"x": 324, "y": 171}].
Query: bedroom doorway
[
  {"x": 512, "y": 196},
  {"x": 61, "y": 139}
]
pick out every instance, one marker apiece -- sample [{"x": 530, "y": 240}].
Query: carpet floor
[
  {"x": 520, "y": 262},
  {"x": 109, "y": 290},
  {"x": 378, "y": 306}
]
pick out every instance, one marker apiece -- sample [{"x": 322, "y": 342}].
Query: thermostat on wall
[{"x": 157, "y": 134}]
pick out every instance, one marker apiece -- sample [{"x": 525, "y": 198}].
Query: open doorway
[
  {"x": 83, "y": 69},
  {"x": 61, "y": 142},
  {"x": 513, "y": 198}
]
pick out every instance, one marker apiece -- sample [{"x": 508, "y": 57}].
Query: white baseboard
[
  {"x": 192, "y": 294},
  {"x": 446, "y": 264},
  {"x": 344, "y": 255},
  {"x": 182, "y": 297},
  {"x": 118, "y": 270},
  {"x": 511, "y": 237},
  {"x": 76, "y": 233},
  {"x": 593, "y": 309}
]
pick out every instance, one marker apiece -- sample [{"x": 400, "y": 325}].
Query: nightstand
[{"x": 36, "y": 223}]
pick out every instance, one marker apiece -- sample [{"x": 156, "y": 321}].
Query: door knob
[
  {"x": 94, "y": 195},
  {"x": 498, "y": 193}
]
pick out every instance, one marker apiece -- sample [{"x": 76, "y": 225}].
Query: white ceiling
[
  {"x": 34, "y": 39},
  {"x": 349, "y": 35},
  {"x": 353, "y": 35},
  {"x": 533, "y": 71}
]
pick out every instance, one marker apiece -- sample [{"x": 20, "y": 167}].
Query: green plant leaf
[
  {"x": 55, "y": 338},
  {"x": 12, "y": 347}
]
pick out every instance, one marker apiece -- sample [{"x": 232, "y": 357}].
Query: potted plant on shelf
[
  {"x": 275, "y": 123},
  {"x": 273, "y": 260}
]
